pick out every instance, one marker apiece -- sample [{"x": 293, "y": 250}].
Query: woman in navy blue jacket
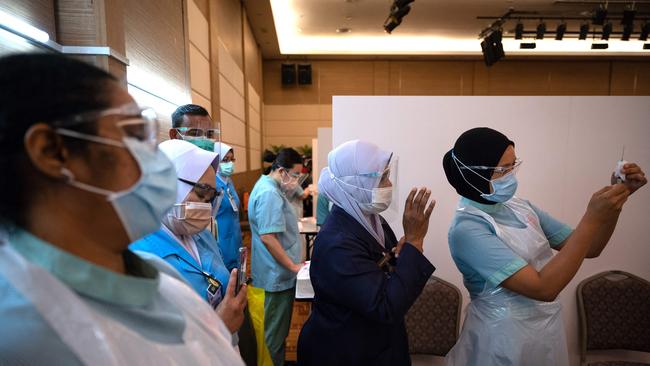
[{"x": 364, "y": 279}]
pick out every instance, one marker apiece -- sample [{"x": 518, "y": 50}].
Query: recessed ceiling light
[{"x": 343, "y": 30}]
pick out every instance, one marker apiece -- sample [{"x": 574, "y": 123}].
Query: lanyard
[{"x": 210, "y": 278}]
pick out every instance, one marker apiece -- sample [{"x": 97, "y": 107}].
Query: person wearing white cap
[
  {"x": 184, "y": 240},
  {"x": 230, "y": 239}
]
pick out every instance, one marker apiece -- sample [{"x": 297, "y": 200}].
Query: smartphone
[{"x": 241, "y": 270}]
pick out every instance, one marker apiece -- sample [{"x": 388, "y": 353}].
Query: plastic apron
[
  {"x": 502, "y": 327},
  {"x": 96, "y": 339}
]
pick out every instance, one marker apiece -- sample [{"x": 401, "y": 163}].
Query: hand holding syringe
[{"x": 629, "y": 174}]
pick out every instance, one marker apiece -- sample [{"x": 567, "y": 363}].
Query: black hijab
[{"x": 478, "y": 146}]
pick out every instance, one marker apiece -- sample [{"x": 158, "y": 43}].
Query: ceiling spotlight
[
  {"x": 398, "y": 10},
  {"x": 519, "y": 30},
  {"x": 607, "y": 30},
  {"x": 559, "y": 32},
  {"x": 584, "y": 31},
  {"x": 628, "y": 16},
  {"x": 599, "y": 15},
  {"x": 541, "y": 29},
  {"x": 599, "y": 46},
  {"x": 492, "y": 48},
  {"x": 627, "y": 32},
  {"x": 645, "y": 29}
]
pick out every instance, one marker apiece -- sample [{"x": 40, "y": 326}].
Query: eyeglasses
[
  {"x": 140, "y": 123},
  {"x": 204, "y": 191},
  {"x": 208, "y": 133},
  {"x": 496, "y": 169}
]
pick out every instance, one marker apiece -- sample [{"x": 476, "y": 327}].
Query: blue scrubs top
[
  {"x": 269, "y": 212},
  {"x": 481, "y": 256},
  {"x": 166, "y": 247},
  {"x": 230, "y": 239}
]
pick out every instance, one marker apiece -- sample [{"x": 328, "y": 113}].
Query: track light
[
  {"x": 519, "y": 30},
  {"x": 628, "y": 16},
  {"x": 645, "y": 29},
  {"x": 627, "y": 32},
  {"x": 492, "y": 47},
  {"x": 398, "y": 10},
  {"x": 584, "y": 31},
  {"x": 541, "y": 29},
  {"x": 600, "y": 15},
  {"x": 607, "y": 30},
  {"x": 559, "y": 32}
]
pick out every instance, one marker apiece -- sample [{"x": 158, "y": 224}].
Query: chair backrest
[
  {"x": 614, "y": 309},
  {"x": 433, "y": 321}
]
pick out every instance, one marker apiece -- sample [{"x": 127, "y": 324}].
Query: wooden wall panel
[
  {"x": 228, "y": 20},
  {"x": 251, "y": 57},
  {"x": 630, "y": 78},
  {"x": 545, "y": 78},
  {"x": 381, "y": 77},
  {"x": 77, "y": 24},
  {"x": 204, "y": 7},
  {"x": 508, "y": 77},
  {"x": 431, "y": 78},
  {"x": 518, "y": 78},
  {"x": 155, "y": 45},
  {"x": 38, "y": 13},
  {"x": 344, "y": 78},
  {"x": 276, "y": 93}
]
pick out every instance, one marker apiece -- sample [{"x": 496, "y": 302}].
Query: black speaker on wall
[
  {"x": 288, "y": 74},
  {"x": 304, "y": 74}
]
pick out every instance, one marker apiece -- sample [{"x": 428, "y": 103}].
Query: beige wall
[{"x": 293, "y": 114}]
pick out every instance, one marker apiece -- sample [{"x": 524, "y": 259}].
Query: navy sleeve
[{"x": 348, "y": 276}]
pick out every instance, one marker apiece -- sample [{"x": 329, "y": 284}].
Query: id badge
[
  {"x": 214, "y": 292},
  {"x": 233, "y": 203}
]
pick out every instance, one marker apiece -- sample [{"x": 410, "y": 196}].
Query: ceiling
[{"x": 433, "y": 27}]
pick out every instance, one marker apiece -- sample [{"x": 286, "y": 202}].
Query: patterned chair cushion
[
  {"x": 618, "y": 313},
  {"x": 618, "y": 363},
  {"x": 432, "y": 321}
]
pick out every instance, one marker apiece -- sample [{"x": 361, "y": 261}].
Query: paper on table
[{"x": 304, "y": 289}]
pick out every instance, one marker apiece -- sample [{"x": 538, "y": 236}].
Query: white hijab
[
  {"x": 224, "y": 150},
  {"x": 343, "y": 183},
  {"x": 190, "y": 162}
]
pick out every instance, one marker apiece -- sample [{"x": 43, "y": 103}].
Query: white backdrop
[{"x": 569, "y": 146}]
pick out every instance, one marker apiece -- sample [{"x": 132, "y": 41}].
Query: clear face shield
[
  {"x": 206, "y": 138},
  {"x": 376, "y": 192},
  {"x": 388, "y": 187}
]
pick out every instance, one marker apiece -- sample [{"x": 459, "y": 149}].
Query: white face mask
[
  {"x": 188, "y": 218},
  {"x": 381, "y": 200}
]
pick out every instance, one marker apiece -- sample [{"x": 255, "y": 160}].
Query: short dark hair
[
  {"x": 41, "y": 88},
  {"x": 286, "y": 159},
  {"x": 187, "y": 109}
]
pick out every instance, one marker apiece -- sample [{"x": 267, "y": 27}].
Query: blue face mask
[
  {"x": 503, "y": 188},
  {"x": 227, "y": 169},
  {"x": 141, "y": 207}
]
